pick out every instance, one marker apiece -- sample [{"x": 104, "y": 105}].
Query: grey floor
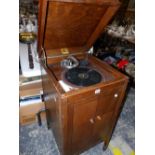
[{"x": 36, "y": 140}]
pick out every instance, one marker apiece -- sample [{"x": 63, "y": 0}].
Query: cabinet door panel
[
  {"x": 83, "y": 115},
  {"x": 102, "y": 126},
  {"x": 108, "y": 100}
]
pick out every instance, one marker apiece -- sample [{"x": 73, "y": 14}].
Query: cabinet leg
[
  {"x": 105, "y": 146},
  {"x": 106, "y": 143},
  {"x": 48, "y": 126}
]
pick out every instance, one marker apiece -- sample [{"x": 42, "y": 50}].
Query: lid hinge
[{"x": 43, "y": 57}]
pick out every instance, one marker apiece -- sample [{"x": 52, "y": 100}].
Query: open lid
[{"x": 72, "y": 24}]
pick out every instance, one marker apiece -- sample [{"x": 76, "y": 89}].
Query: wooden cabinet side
[{"x": 53, "y": 105}]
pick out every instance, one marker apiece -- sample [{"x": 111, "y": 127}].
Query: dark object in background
[
  {"x": 121, "y": 12},
  {"x": 108, "y": 44},
  {"x": 20, "y": 70},
  {"x": 114, "y": 50},
  {"x": 31, "y": 65}
]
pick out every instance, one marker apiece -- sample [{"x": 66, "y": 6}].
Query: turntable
[
  {"x": 82, "y": 76},
  {"x": 83, "y": 102}
]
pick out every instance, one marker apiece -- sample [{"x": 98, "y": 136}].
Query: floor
[{"x": 35, "y": 140}]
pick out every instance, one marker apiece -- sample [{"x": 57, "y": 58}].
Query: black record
[{"x": 83, "y": 76}]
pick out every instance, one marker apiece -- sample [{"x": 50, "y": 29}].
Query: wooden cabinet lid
[{"x": 72, "y": 25}]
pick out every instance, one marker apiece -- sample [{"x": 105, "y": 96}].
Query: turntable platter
[{"x": 82, "y": 76}]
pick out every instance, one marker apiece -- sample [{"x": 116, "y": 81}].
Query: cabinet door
[
  {"x": 83, "y": 112},
  {"x": 108, "y": 100},
  {"x": 102, "y": 127}
]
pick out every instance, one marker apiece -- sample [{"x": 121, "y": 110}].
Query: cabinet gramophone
[{"x": 83, "y": 102}]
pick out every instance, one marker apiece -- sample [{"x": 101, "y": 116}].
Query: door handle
[
  {"x": 99, "y": 118},
  {"x": 91, "y": 121},
  {"x": 115, "y": 95}
]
